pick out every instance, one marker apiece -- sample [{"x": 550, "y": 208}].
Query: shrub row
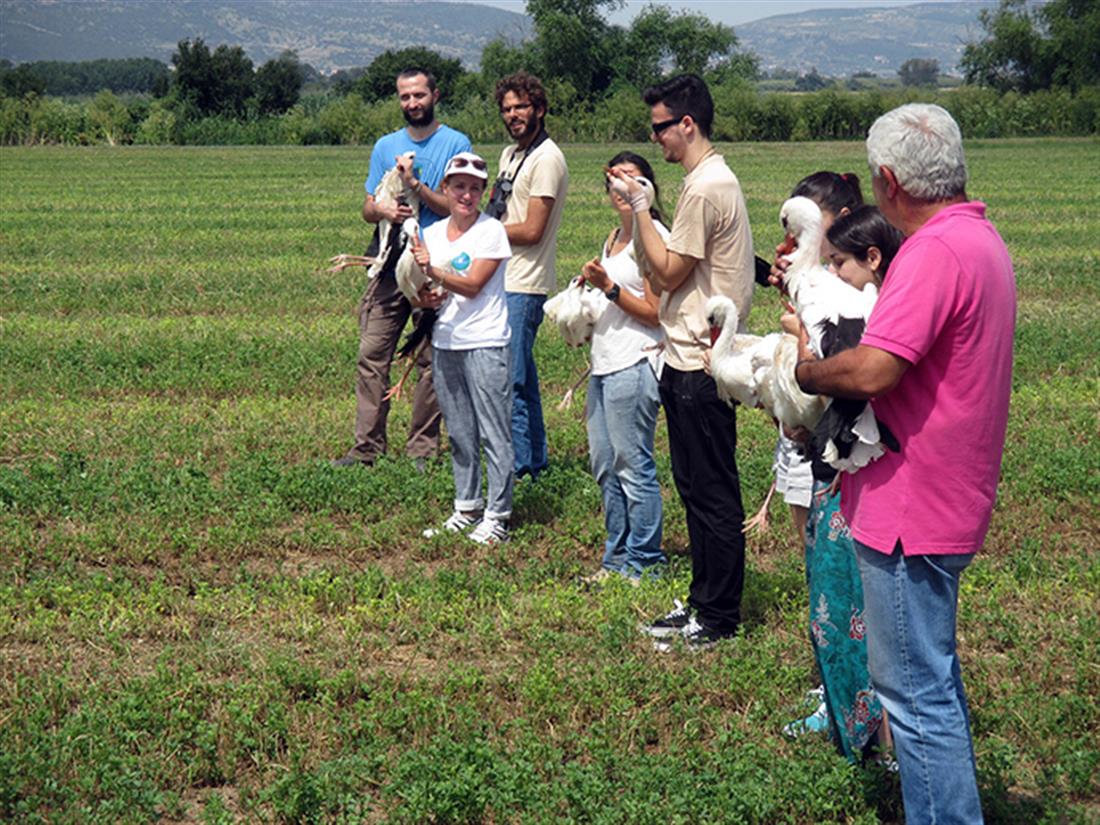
[{"x": 742, "y": 114}]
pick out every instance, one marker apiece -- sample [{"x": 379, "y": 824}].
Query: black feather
[
  {"x": 842, "y": 335},
  {"x": 423, "y": 321}
]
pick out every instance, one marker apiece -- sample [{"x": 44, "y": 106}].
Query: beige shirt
[
  {"x": 712, "y": 226},
  {"x": 543, "y": 175}
]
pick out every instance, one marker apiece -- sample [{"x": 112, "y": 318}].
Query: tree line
[{"x": 1036, "y": 71}]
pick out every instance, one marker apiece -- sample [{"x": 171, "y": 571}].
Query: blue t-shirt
[{"x": 431, "y": 159}]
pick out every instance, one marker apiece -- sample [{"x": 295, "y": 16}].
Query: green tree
[
  {"x": 574, "y": 43},
  {"x": 810, "y": 82},
  {"x": 1026, "y": 49},
  {"x": 17, "y": 81},
  {"x": 919, "y": 71},
  {"x": 377, "y": 83},
  {"x": 279, "y": 83},
  {"x": 214, "y": 83}
]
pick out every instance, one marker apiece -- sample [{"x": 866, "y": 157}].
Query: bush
[
  {"x": 350, "y": 120},
  {"x": 159, "y": 125},
  {"x": 741, "y": 114}
]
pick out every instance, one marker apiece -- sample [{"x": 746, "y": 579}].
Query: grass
[{"x": 201, "y": 621}]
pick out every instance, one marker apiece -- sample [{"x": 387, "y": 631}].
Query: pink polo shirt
[{"x": 948, "y": 307}]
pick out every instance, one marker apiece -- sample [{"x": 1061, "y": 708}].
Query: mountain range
[
  {"x": 840, "y": 42},
  {"x": 328, "y": 34},
  {"x": 341, "y": 34}
]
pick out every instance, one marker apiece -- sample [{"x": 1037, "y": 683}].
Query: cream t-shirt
[
  {"x": 543, "y": 175},
  {"x": 712, "y": 226}
]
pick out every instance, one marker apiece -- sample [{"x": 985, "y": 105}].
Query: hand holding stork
[
  {"x": 594, "y": 273},
  {"x": 432, "y": 294}
]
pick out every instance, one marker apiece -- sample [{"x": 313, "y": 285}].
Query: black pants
[{"x": 702, "y": 437}]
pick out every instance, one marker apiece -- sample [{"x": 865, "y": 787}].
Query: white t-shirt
[
  {"x": 619, "y": 341},
  {"x": 481, "y": 321}
]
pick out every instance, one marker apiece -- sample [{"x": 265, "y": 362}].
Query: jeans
[
  {"x": 702, "y": 440},
  {"x": 472, "y": 387},
  {"x": 528, "y": 430},
  {"x": 622, "y": 417},
  {"x": 910, "y": 607}
]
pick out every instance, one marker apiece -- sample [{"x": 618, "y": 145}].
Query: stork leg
[
  {"x": 759, "y": 522},
  {"x": 394, "y": 392},
  {"x": 567, "y": 400},
  {"x": 343, "y": 261}
]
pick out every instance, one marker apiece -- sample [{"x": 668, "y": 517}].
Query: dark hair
[
  {"x": 647, "y": 173},
  {"x": 522, "y": 85},
  {"x": 830, "y": 191},
  {"x": 685, "y": 94},
  {"x": 862, "y": 228},
  {"x": 413, "y": 71}
]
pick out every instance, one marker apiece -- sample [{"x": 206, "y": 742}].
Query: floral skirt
[{"x": 836, "y": 626}]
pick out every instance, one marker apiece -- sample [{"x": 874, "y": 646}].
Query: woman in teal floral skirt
[{"x": 860, "y": 247}]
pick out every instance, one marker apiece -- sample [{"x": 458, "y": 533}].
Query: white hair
[{"x": 922, "y": 145}]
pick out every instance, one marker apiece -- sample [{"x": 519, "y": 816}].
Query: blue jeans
[
  {"x": 910, "y": 607},
  {"x": 528, "y": 430},
  {"x": 622, "y": 417},
  {"x": 472, "y": 388}
]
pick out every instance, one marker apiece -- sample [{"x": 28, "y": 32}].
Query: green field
[{"x": 202, "y": 621}]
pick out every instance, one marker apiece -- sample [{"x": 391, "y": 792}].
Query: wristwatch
[{"x": 613, "y": 293}]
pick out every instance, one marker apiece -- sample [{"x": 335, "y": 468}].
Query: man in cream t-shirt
[
  {"x": 709, "y": 252},
  {"x": 534, "y": 176}
]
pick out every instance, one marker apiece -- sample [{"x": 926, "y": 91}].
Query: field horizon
[{"x": 203, "y": 621}]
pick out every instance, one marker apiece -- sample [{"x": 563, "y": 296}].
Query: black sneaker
[
  {"x": 669, "y": 624},
  {"x": 700, "y": 637}
]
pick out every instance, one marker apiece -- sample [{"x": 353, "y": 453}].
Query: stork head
[
  {"x": 801, "y": 218},
  {"x": 719, "y": 310}
]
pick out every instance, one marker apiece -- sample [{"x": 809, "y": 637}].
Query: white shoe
[
  {"x": 490, "y": 531},
  {"x": 459, "y": 522}
]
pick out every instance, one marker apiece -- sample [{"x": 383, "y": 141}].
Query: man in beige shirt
[
  {"x": 708, "y": 253},
  {"x": 528, "y": 198}
]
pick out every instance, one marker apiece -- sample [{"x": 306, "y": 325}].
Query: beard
[
  {"x": 530, "y": 128},
  {"x": 424, "y": 119}
]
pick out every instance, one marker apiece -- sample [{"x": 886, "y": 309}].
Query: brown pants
[{"x": 383, "y": 312}]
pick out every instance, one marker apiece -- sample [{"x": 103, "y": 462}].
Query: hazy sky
[{"x": 730, "y": 12}]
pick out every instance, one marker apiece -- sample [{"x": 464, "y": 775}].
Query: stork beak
[
  {"x": 788, "y": 246},
  {"x": 714, "y": 333}
]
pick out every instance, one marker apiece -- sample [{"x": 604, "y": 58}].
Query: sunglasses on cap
[
  {"x": 665, "y": 124},
  {"x": 462, "y": 163}
]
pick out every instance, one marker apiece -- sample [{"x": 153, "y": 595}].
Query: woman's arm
[
  {"x": 643, "y": 310},
  {"x": 469, "y": 285}
]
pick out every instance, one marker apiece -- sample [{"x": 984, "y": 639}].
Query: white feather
[{"x": 390, "y": 189}]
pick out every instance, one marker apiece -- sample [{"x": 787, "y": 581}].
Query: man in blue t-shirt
[{"x": 383, "y": 310}]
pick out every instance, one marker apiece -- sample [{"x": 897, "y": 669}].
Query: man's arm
[
  {"x": 434, "y": 200},
  {"x": 668, "y": 269},
  {"x": 530, "y": 231},
  {"x": 861, "y": 373},
  {"x": 373, "y": 211}
]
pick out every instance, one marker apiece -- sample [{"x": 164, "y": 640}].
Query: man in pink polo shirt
[{"x": 936, "y": 357}]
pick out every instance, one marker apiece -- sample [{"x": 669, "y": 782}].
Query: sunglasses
[
  {"x": 665, "y": 124},
  {"x": 462, "y": 163}
]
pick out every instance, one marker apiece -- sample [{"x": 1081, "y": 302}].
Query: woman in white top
[
  {"x": 622, "y": 396},
  {"x": 465, "y": 256}
]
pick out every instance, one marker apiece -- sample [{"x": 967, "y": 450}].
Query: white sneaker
[
  {"x": 459, "y": 522},
  {"x": 490, "y": 531}
]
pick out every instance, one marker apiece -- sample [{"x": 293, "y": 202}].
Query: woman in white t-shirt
[
  {"x": 622, "y": 396},
  {"x": 465, "y": 256}
]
